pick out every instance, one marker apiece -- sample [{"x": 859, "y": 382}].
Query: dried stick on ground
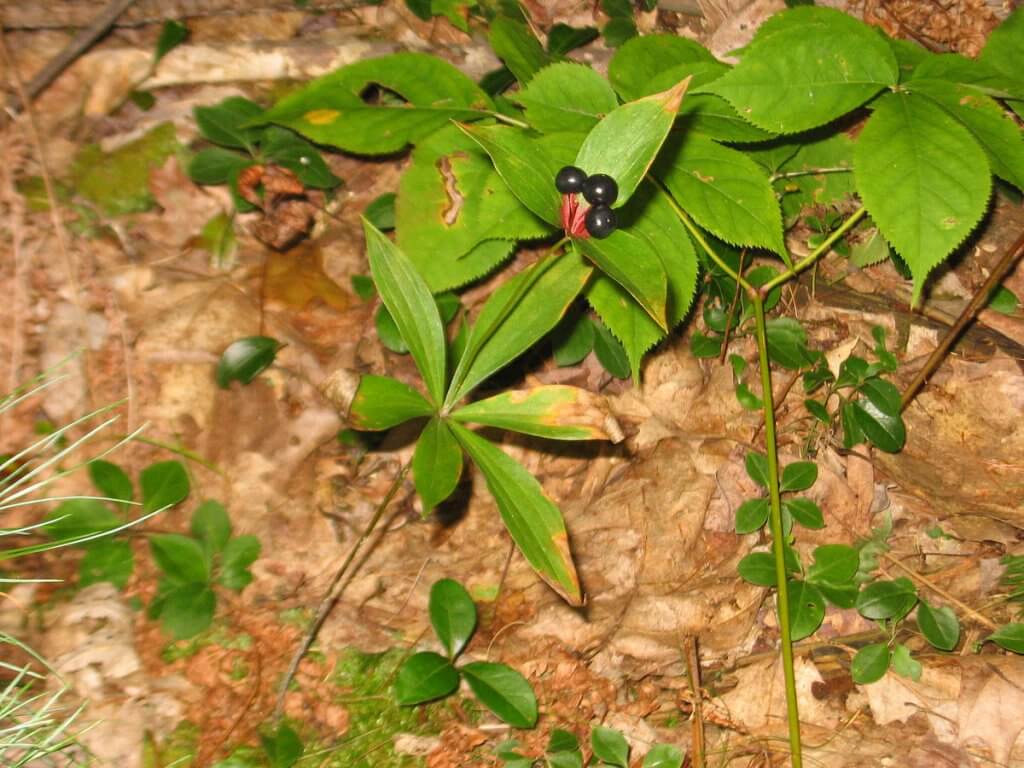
[{"x": 334, "y": 590}]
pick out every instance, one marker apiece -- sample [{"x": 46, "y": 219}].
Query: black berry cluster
[{"x": 600, "y": 190}]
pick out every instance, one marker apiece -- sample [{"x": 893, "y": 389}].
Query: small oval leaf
[
  {"x": 452, "y": 614},
  {"x": 425, "y": 676},
  {"x": 245, "y": 359},
  {"x": 870, "y": 663},
  {"x": 503, "y": 691}
]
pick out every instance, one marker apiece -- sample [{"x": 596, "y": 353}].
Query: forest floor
[{"x": 126, "y": 270}]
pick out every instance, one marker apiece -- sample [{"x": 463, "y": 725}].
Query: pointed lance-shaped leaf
[
  {"x": 554, "y": 411},
  {"x": 411, "y": 306},
  {"x": 630, "y": 261},
  {"x": 533, "y": 520},
  {"x": 436, "y": 464}
]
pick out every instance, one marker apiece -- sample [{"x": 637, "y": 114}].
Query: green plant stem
[
  {"x": 778, "y": 541},
  {"x": 335, "y": 589},
  {"x": 814, "y": 255}
]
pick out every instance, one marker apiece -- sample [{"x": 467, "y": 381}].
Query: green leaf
[
  {"x": 751, "y": 515},
  {"x": 988, "y": 123},
  {"x": 289, "y": 150},
  {"x": 411, "y": 305},
  {"x": 238, "y": 555},
  {"x": 514, "y": 43},
  {"x": 562, "y": 741},
  {"x": 217, "y": 237},
  {"x": 651, "y": 217},
  {"x": 1004, "y": 44},
  {"x": 388, "y": 333},
  {"x": 1003, "y": 300},
  {"x": 881, "y": 428},
  {"x": 663, "y": 756},
  {"x": 554, "y": 411},
  {"x": 643, "y": 59},
  {"x": 834, "y": 564},
  {"x": 626, "y": 141},
  {"x": 187, "y": 610},
  {"x": 425, "y": 676},
  {"x": 757, "y": 468},
  {"x": 106, "y": 560},
  {"x": 1010, "y": 637},
  {"x": 610, "y": 352},
  {"x": 610, "y": 746},
  {"x": 381, "y": 213},
  {"x": 110, "y": 480},
  {"x": 172, "y": 34},
  {"x": 939, "y": 626},
  {"x": 436, "y": 464},
  {"x": 725, "y": 191},
  {"x": 787, "y": 343},
  {"x": 799, "y": 476},
  {"x": 226, "y": 123},
  {"x": 870, "y": 663},
  {"x": 381, "y": 402},
  {"x": 503, "y": 691},
  {"x": 922, "y": 177},
  {"x": 331, "y": 110},
  {"x": 805, "y": 512},
  {"x": 805, "y": 68},
  {"x": 618, "y": 30},
  {"x": 630, "y": 261},
  {"x": 883, "y": 394},
  {"x": 572, "y": 342},
  {"x": 452, "y": 614},
  {"x": 818, "y": 411},
  {"x": 887, "y": 599},
  {"x": 163, "y": 484},
  {"x": 904, "y": 664},
  {"x": 217, "y": 166},
  {"x": 566, "y": 97},
  {"x": 76, "y": 518},
  {"x": 806, "y": 609},
  {"x": 532, "y": 519},
  {"x": 705, "y": 346},
  {"x": 245, "y": 359},
  {"x": 507, "y": 327},
  {"x": 284, "y": 748},
  {"x": 456, "y": 217},
  {"x": 180, "y": 558},
  {"x": 562, "y": 38},
  {"x": 758, "y": 568},
  {"x": 211, "y": 526}
]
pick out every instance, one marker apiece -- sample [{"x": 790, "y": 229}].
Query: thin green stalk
[
  {"x": 778, "y": 542},
  {"x": 814, "y": 255}
]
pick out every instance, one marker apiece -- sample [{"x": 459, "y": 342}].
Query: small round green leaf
[
  {"x": 110, "y": 480},
  {"x": 882, "y": 429},
  {"x": 436, "y": 464},
  {"x": 610, "y": 746},
  {"x": 939, "y": 626},
  {"x": 164, "y": 484},
  {"x": 805, "y": 512},
  {"x": 799, "y": 476},
  {"x": 245, "y": 359},
  {"x": 757, "y": 468},
  {"x": 423, "y": 677},
  {"x": 663, "y": 756},
  {"x": 834, "y": 564},
  {"x": 211, "y": 526},
  {"x": 758, "y": 568},
  {"x": 887, "y": 599},
  {"x": 870, "y": 663},
  {"x": 452, "y": 614},
  {"x": 1010, "y": 637},
  {"x": 503, "y": 691},
  {"x": 806, "y": 609},
  {"x": 751, "y": 515},
  {"x": 884, "y": 395}
]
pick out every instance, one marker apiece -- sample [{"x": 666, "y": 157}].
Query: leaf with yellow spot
[
  {"x": 532, "y": 519},
  {"x": 554, "y": 411},
  {"x": 381, "y": 402}
]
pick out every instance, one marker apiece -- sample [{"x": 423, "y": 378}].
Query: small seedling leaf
[
  {"x": 211, "y": 526},
  {"x": 110, "y": 480},
  {"x": 181, "y": 558},
  {"x": 187, "y": 610},
  {"x": 799, "y": 476},
  {"x": 752, "y": 515},
  {"x": 107, "y": 560},
  {"x": 805, "y": 512},
  {"x": 239, "y": 553},
  {"x": 245, "y": 359},
  {"x": 163, "y": 484},
  {"x": 425, "y": 676}
]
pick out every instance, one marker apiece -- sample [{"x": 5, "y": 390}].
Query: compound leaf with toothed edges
[
  {"x": 806, "y": 67},
  {"x": 505, "y": 328},
  {"x": 532, "y": 519},
  {"x": 554, "y": 411},
  {"x": 436, "y": 464},
  {"x": 566, "y": 97},
  {"x": 725, "y": 191},
  {"x": 412, "y": 307},
  {"x": 922, "y": 177},
  {"x": 381, "y": 402},
  {"x": 625, "y": 143},
  {"x": 331, "y": 110},
  {"x": 456, "y": 219}
]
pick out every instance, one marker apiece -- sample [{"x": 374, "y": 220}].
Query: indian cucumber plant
[{"x": 709, "y": 165}]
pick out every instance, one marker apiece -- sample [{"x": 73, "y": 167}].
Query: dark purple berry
[
  {"x": 600, "y": 189},
  {"x": 600, "y": 221},
  {"x": 570, "y": 180}
]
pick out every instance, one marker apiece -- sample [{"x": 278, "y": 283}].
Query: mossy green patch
[
  {"x": 179, "y": 749},
  {"x": 218, "y": 634},
  {"x": 118, "y": 182}
]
